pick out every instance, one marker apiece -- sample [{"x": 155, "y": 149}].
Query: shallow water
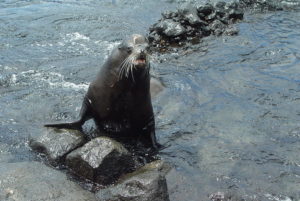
[{"x": 229, "y": 115}]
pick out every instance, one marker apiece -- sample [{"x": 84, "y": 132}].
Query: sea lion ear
[{"x": 122, "y": 45}]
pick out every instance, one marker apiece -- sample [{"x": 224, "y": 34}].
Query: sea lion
[{"x": 119, "y": 99}]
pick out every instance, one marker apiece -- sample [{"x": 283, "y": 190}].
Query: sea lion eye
[{"x": 129, "y": 49}]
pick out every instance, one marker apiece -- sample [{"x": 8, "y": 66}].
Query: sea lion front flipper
[{"x": 73, "y": 125}]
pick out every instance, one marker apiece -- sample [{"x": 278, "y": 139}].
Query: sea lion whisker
[
  {"x": 124, "y": 65},
  {"x": 121, "y": 72},
  {"x": 129, "y": 63},
  {"x": 131, "y": 68}
]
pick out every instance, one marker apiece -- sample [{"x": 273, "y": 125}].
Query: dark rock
[
  {"x": 246, "y": 3},
  {"x": 212, "y": 16},
  {"x": 220, "y": 5},
  {"x": 57, "y": 143},
  {"x": 170, "y": 28},
  {"x": 146, "y": 184},
  {"x": 169, "y": 14},
  {"x": 153, "y": 36},
  {"x": 232, "y": 5},
  {"x": 101, "y": 160},
  {"x": 218, "y": 27},
  {"x": 34, "y": 181},
  {"x": 235, "y": 14},
  {"x": 205, "y": 31},
  {"x": 206, "y": 9},
  {"x": 231, "y": 31},
  {"x": 220, "y": 9},
  {"x": 190, "y": 16}
]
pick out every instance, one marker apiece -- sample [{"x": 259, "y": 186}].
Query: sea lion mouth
[{"x": 140, "y": 61}]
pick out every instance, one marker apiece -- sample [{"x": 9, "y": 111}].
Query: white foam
[
  {"x": 52, "y": 79},
  {"x": 77, "y": 36},
  {"x": 108, "y": 46},
  {"x": 13, "y": 79},
  {"x": 271, "y": 197}
]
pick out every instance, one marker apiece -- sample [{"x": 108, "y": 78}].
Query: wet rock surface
[
  {"x": 189, "y": 24},
  {"x": 145, "y": 184},
  {"x": 24, "y": 181},
  {"x": 102, "y": 160},
  {"x": 57, "y": 143}
]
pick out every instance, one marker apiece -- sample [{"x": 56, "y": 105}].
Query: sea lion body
[{"x": 119, "y": 98}]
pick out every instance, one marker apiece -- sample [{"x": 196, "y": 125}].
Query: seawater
[{"x": 229, "y": 115}]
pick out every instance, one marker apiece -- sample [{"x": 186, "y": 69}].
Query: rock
[
  {"x": 101, "y": 160},
  {"x": 146, "y": 184},
  {"x": 220, "y": 9},
  {"x": 218, "y": 27},
  {"x": 220, "y": 5},
  {"x": 169, "y": 14},
  {"x": 57, "y": 143},
  {"x": 232, "y": 5},
  {"x": 212, "y": 16},
  {"x": 170, "y": 28},
  {"x": 235, "y": 14},
  {"x": 190, "y": 16},
  {"x": 26, "y": 181},
  {"x": 231, "y": 31},
  {"x": 205, "y": 10}
]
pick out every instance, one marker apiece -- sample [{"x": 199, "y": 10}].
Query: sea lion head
[{"x": 135, "y": 56}]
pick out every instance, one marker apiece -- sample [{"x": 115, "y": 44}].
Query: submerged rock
[
  {"x": 57, "y": 143},
  {"x": 146, "y": 184},
  {"x": 26, "y": 181},
  {"x": 102, "y": 160}
]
